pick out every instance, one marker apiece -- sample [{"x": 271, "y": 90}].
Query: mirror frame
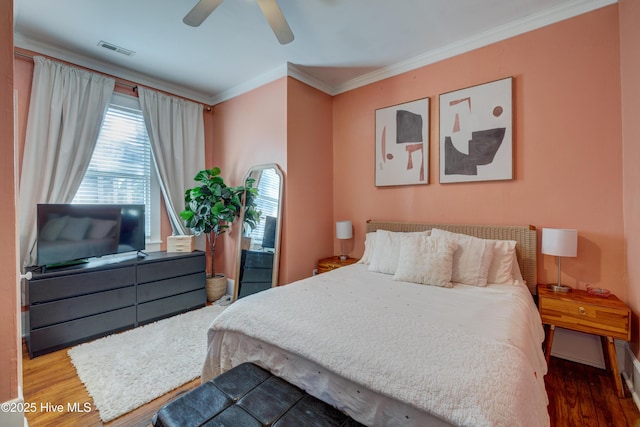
[{"x": 276, "y": 254}]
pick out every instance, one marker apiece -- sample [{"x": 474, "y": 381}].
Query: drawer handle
[{"x": 582, "y": 310}]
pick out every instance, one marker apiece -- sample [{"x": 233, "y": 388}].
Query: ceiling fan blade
[
  {"x": 276, "y": 20},
  {"x": 200, "y": 12}
]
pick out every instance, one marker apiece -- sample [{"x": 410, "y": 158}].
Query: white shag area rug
[{"x": 124, "y": 371}]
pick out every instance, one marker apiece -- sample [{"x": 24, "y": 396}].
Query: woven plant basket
[{"x": 216, "y": 287}]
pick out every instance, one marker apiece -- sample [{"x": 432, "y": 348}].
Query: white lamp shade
[
  {"x": 560, "y": 242},
  {"x": 344, "y": 230}
]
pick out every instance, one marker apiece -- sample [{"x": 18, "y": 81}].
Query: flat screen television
[{"x": 69, "y": 232}]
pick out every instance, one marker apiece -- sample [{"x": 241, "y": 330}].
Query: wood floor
[{"x": 579, "y": 395}]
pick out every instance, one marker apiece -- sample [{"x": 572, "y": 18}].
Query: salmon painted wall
[
  {"x": 630, "y": 72},
  {"x": 246, "y": 131},
  {"x": 567, "y": 146},
  {"x": 10, "y": 350},
  {"x": 309, "y": 208}
]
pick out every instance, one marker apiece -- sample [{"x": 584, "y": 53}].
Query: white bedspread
[{"x": 468, "y": 355}]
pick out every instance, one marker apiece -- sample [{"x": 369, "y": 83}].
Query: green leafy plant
[
  {"x": 211, "y": 207},
  {"x": 251, "y": 214}
]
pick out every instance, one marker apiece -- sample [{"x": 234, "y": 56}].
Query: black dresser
[{"x": 71, "y": 305}]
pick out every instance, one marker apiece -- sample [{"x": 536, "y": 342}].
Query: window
[
  {"x": 121, "y": 169},
  {"x": 266, "y": 202}
]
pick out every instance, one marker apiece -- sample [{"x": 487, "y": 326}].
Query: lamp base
[{"x": 557, "y": 287}]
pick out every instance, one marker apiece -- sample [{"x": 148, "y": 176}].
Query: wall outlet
[{"x": 315, "y": 272}]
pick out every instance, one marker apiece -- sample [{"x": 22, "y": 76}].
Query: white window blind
[
  {"x": 120, "y": 168},
  {"x": 266, "y": 202}
]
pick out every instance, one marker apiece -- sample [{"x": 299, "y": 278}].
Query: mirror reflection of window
[{"x": 268, "y": 184}]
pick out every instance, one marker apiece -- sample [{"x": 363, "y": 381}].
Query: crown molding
[
  {"x": 62, "y": 54},
  {"x": 559, "y": 13},
  {"x": 298, "y": 73},
  {"x": 263, "y": 79}
]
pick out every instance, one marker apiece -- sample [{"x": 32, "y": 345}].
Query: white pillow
[
  {"x": 515, "y": 270},
  {"x": 369, "y": 245},
  {"x": 386, "y": 252},
  {"x": 426, "y": 260},
  {"x": 502, "y": 262},
  {"x": 471, "y": 260}
]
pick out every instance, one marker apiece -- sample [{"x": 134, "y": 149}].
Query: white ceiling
[{"x": 339, "y": 44}]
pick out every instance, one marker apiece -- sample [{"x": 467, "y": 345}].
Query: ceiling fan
[{"x": 270, "y": 9}]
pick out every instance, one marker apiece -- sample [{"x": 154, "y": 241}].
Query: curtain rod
[
  {"x": 120, "y": 83},
  {"x": 134, "y": 88}
]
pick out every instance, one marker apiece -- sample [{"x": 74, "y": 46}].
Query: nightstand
[
  {"x": 579, "y": 311},
  {"x": 331, "y": 263}
]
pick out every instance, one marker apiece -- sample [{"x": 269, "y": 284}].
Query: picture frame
[
  {"x": 402, "y": 144},
  {"x": 476, "y": 133}
]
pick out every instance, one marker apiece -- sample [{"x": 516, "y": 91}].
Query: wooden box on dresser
[{"x": 74, "y": 304}]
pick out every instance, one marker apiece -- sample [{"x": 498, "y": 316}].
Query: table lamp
[
  {"x": 560, "y": 242},
  {"x": 344, "y": 231}
]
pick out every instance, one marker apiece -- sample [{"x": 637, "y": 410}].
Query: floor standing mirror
[{"x": 258, "y": 253}]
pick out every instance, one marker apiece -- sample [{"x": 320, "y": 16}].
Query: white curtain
[
  {"x": 65, "y": 115},
  {"x": 176, "y": 131}
]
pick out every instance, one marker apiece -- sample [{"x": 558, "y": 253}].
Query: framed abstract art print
[
  {"x": 476, "y": 133},
  {"x": 402, "y": 144}
]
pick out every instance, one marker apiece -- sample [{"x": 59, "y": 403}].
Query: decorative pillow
[
  {"x": 503, "y": 256},
  {"x": 369, "y": 245},
  {"x": 471, "y": 260},
  {"x": 515, "y": 270},
  {"x": 52, "y": 228},
  {"x": 386, "y": 252},
  {"x": 75, "y": 228},
  {"x": 426, "y": 260}
]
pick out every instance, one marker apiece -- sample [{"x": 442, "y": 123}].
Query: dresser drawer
[
  {"x": 49, "y": 313},
  {"x": 585, "y": 317},
  {"x": 165, "y": 307},
  {"x": 152, "y": 271},
  {"x": 255, "y": 259},
  {"x": 169, "y": 287},
  {"x": 65, "y": 286}
]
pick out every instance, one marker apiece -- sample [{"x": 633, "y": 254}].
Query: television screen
[
  {"x": 69, "y": 232},
  {"x": 269, "y": 236}
]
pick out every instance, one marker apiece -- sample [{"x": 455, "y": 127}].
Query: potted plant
[
  {"x": 210, "y": 208},
  {"x": 251, "y": 217}
]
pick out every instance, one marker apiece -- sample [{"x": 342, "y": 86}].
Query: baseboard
[
  {"x": 12, "y": 413},
  {"x": 630, "y": 369}
]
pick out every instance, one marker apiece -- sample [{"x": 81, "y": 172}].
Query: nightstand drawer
[
  {"x": 331, "y": 263},
  {"x": 323, "y": 268},
  {"x": 584, "y": 317}
]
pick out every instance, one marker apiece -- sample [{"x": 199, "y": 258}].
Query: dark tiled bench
[{"x": 247, "y": 395}]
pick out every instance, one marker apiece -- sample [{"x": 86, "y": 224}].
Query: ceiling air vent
[{"x": 115, "y": 48}]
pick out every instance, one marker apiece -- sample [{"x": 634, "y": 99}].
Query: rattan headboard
[{"x": 525, "y": 236}]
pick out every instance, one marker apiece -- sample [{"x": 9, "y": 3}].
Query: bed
[{"x": 396, "y": 352}]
